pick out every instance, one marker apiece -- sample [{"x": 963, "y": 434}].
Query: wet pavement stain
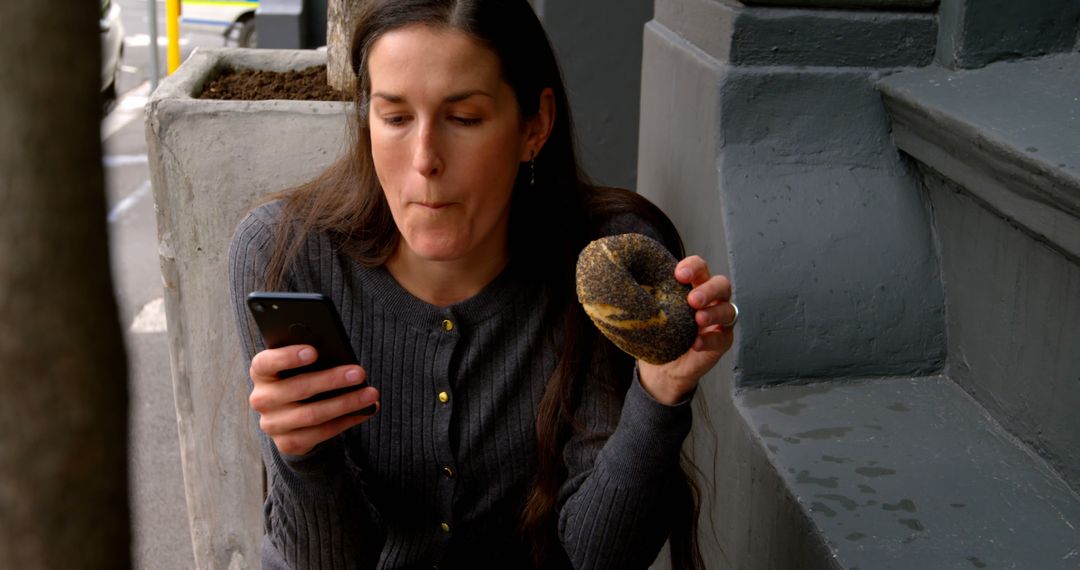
[
  {"x": 974, "y": 560},
  {"x": 765, "y": 431},
  {"x": 792, "y": 439},
  {"x": 913, "y": 524},
  {"x": 785, "y": 395},
  {"x": 832, "y": 459},
  {"x": 875, "y": 471},
  {"x": 899, "y": 407},
  {"x": 822, "y": 508},
  {"x": 855, "y": 536},
  {"x": 845, "y": 502},
  {"x": 825, "y": 433},
  {"x": 828, "y": 482},
  {"x": 791, "y": 409},
  {"x": 957, "y": 505},
  {"x": 904, "y": 505},
  {"x": 863, "y": 488}
]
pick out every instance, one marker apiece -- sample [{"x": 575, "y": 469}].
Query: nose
[{"x": 427, "y": 159}]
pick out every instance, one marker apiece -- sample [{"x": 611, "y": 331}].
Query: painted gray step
[
  {"x": 748, "y": 35},
  {"x": 975, "y": 33},
  {"x": 912, "y": 473},
  {"x": 1007, "y": 132},
  {"x": 849, "y": 4}
]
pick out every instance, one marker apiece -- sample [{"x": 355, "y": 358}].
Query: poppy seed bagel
[{"x": 626, "y": 284}]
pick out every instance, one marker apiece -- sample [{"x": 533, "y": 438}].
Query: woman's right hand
[{"x": 297, "y": 427}]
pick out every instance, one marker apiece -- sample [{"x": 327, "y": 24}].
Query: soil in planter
[{"x": 259, "y": 85}]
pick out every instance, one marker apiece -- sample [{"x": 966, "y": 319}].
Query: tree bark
[
  {"x": 63, "y": 391},
  {"x": 340, "y": 21}
]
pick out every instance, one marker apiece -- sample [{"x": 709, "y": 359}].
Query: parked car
[
  {"x": 235, "y": 19},
  {"x": 112, "y": 46}
]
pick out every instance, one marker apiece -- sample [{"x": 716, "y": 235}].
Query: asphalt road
[{"x": 160, "y": 532}]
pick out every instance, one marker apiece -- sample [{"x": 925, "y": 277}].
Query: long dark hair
[{"x": 550, "y": 222}]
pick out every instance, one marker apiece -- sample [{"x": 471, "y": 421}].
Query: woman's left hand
[{"x": 710, "y": 297}]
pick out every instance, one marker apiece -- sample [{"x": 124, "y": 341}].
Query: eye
[
  {"x": 465, "y": 121},
  {"x": 395, "y": 120}
]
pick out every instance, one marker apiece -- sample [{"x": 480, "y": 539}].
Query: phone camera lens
[{"x": 258, "y": 307}]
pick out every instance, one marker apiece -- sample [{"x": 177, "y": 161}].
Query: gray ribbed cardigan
[{"x": 427, "y": 483}]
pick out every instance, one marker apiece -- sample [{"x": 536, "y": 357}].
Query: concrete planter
[{"x": 210, "y": 161}]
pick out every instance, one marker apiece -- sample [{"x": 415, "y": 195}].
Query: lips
[{"x": 433, "y": 205}]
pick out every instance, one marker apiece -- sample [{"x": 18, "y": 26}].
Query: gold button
[
  {"x": 445, "y": 527},
  {"x": 448, "y": 325},
  {"x": 444, "y": 397},
  {"x": 448, "y": 472}
]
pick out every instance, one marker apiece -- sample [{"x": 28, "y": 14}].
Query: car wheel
[
  {"x": 108, "y": 99},
  {"x": 108, "y": 94},
  {"x": 246, "y": 38}
]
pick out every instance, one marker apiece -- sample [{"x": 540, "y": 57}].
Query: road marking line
[
  {"x": 128, "y": 108},
  {"x": 151, "y": 318},
  {"x": 112, "y": 161},
  {"x": 126, "y": 204},
  {"x": 143, "y": 40}
]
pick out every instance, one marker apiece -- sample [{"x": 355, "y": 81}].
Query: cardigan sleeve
[
  {"x": 315, "y": 514},
  {"x": 616, "y": 502}
]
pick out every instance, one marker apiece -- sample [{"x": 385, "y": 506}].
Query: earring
[{"x": 532, "y": 171}]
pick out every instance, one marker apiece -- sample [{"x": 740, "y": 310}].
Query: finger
[
  {"x": 710, "y": 331},
  {"x": 722, "y": 313},
  {"x": 304, "y": 386},
  {"x": 267, "y": 364},
  {"x": 270, "y": 395},
  {"x": 322, "y": 411},
  {"x": 715, "y": 339},
  {"x": 692, "y": 270},
  {"x": 301, "y": 441},
  {"x": 302, "y": 416},
  {"x": 715, "y": 290}
]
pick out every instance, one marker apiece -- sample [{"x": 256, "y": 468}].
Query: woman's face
[{"x": 447, "y": 140}]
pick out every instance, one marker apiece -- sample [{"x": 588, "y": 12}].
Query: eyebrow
[{"x": 452, "y": 98}]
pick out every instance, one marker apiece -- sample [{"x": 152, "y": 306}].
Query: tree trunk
[
  {"x": 340, "y": 21},
  {"x": 63, "y": 391}
]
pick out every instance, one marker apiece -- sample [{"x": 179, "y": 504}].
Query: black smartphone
[{"x": 286, "y": 319}]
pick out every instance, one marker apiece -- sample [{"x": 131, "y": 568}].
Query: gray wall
[{"x": 598, "y": 43}]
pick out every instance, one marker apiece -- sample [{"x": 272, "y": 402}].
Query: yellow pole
[{"x": 172, "y": 29}]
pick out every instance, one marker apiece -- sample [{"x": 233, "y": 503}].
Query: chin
[
  {"x": 437, "y": 255},
  {"x": 435, "y": 250}
]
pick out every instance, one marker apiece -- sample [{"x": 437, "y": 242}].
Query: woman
[{"x": 509, "y": 434}]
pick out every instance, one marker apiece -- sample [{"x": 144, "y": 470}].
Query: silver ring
[{"x": 734, "y": 319}]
